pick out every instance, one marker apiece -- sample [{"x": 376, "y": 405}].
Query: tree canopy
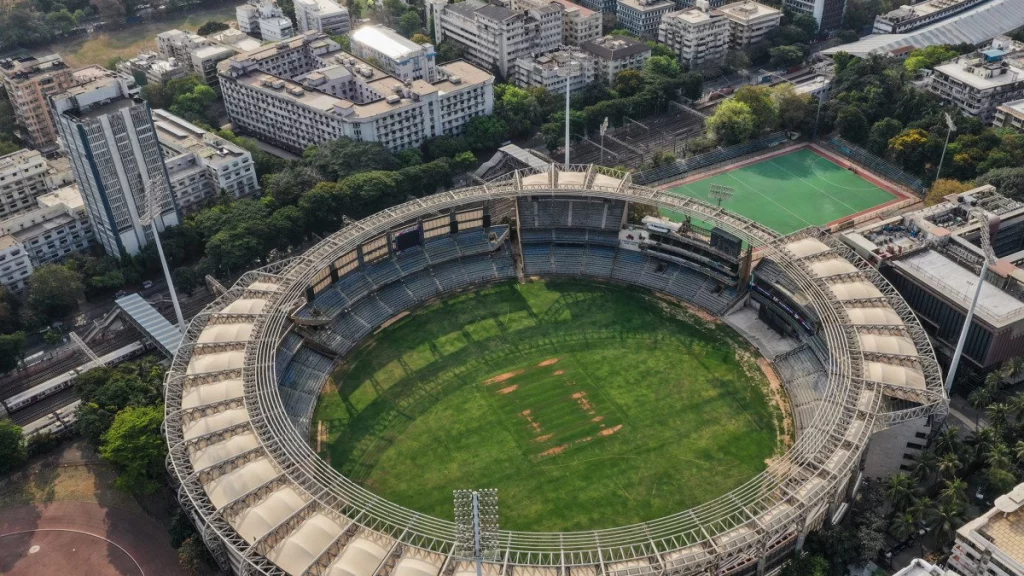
[
  {"x": 732, "y": 123},
  {"x": 134, "y": 444},
  {"x": 12, "y": 446},
  {"x": 53, "y": 292}
]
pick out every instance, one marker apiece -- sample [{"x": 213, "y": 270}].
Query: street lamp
[
  {"x": 154, "y": 194},
  {"x": 952, "y": 128},
  {"x": 568, "y": 70}
]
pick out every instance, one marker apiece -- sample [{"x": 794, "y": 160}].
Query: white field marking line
[
  {"x": 813, "y": 186},
  {"x": 107, "y": 540},
  {"x": 769, "y": 198},
  {"x": 814, "y": 162}
]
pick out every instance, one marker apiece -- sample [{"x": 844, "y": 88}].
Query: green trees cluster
[
  {"x": 757, "y": 110},
  {"x": 211, "y": 27},
  {"x": 12, "y": 447},
  {"x": 786, "y": 45},
  {"x": 8, "y": 141},
  {"x": 28, "y": 24},
  {"x": 874, "y": 104},
  {"x": 105, "y": 392},
  {"x": 187, "y": 97}
]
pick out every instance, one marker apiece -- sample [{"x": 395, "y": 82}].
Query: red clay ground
[{"x": 83, "y": 538}]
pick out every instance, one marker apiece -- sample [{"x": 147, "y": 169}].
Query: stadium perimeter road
[{"x": 67, "y": 537}]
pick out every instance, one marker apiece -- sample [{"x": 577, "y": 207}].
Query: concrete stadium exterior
[{"x": 267, "y": 504}]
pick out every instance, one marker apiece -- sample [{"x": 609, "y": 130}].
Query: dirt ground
[{"x": 61, "y": 515}]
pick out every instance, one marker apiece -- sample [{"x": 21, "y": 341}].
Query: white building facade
[
  {"x": 307, "y": 91},
  {"x": 642, "y": 17},
  {"x": 828, "y": 13},
  {"x": 110, "y": 139},
  {"x": 700, "y": 36},
  {"x": 396, "y": 55},
  {"x": 977, "y": 84},
  {"x": 544, "y": 71},
  {"x": 325, "y": 16},
  {"x": 264, "y": 19},
  {"x": 749, "y": 22},
  {"x": 23, "y": 178},
  {"x": 991, "y": 544},
  {"x": 613, "y": 54}
]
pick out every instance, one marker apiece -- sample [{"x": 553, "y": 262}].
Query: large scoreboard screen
[{"x": 726, "y": 242}]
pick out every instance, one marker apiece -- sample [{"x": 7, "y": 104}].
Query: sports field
[
  {"x": 792, "y": 191},
  {"x": 586, "y": 405}
]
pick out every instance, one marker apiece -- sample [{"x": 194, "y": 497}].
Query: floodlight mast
[
  {"x": 152, "y": 208},
  {"x": 476, "y": 523},
  {"x": 571, "y": 68}
]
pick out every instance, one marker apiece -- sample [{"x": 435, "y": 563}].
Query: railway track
[{"x": 43, "y": 407}]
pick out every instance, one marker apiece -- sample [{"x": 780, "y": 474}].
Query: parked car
[
  {"x": 120, "y": 294},
  {"x": 147, "y": 284}
]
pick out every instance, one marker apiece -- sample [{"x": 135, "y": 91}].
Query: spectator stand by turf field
[
  {"x": 875, "y": 164},
  {"x": 707, "y": 161}
]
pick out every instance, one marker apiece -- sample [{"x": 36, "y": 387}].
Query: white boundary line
[
  {"x": 783, "y": 168},
  {"x": 769, "y": 198},
  {"x": 107, "y": 540}
]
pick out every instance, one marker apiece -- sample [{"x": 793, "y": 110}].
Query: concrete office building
[
  {"x": 235, "y": 38},
  {"x": 29, "y": 82},
  {"x": 911, "y": 17},
  {"x": 828, "y": 13},
  {"x": 110, "y": 139},
  {"x": 932, "y": 257},
  {"x": 396, "y": 55},
  {"x": 749, "y": 22},
  {"x": 992, "y": 544},
  {"x": 321, "y": 16},
  {"x": 978, "y": 83},
  {"x": 306, "y": 90},
  {"x": 699, "y": 36},
  {"x": 198, "y": 55},
  {"x": 1010, "y": 115},
  {"x": 23, "y": 178},
  {"x": 642, "y": 17},
  {"x": 57, "y": 226},
  {"x": 580, "y": 24},
  {"x": 543, "y": 71},
  {"x": 613, "y": 54},
  {"x": 200, "y": 164},
  {"x": 493, "y": 36},
  {"x": 264, "y": 19}
]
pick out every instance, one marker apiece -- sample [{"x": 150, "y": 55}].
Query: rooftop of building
[
  {"x": 183, "y": 136},
  {"x": 386, "y": 41},
  {"x": 19, "y": 157},
  {"x": 743, "y": 11},
  {"x": 31, "y": 66},
  {"x": 326, "y": 7},
  {"x": 647, "y": 5},
  {"x": 906, "y": 12},
  {"x": 1003, "y": 527},
  {"x": 972, "y": 26},
  {"x": 615, "y": 47},
  {"x": 556, "y": 59},
  {"x": 693, "y": 15},
  {"x": 1016, "y": 108},
  {"x": 7, "y": 241},
  {"x": 237, "y": 39},
  {"x": 918, "y": 567},
  {"x": 958, "y": 283},
  {"x": 495, "y": 12},
  {"x": 213, "y": 51},
  {"x": 89, "y": 73},
  {"x": 573, "y": 7},
  {"x": 70, "y": 196},
  {"x": 981, "y": 72}
]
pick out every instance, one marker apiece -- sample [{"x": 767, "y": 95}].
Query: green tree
[
  {"x": 338, "y": 159},
  {"x": 12, "y": 350},
  {"x": 762, "y": 106},
  {"x": 880, "y": 134},
  {"x": 663, "y": 66},
  {"x": 926, "y": 467},
  {"x": 193, "y": 555},
  {"x": 53, "y": 292},
  {"x": 928, "y": 57},
  {"x": 948, "y": 465},
  {"x": 1000, "y": 481},
  {"x": 485, "y": 133},
  {"x": 944, "y": 187},
  {"x": 135, "y": 446},
  {"x": 196, "y": 106},
  {"x": 806, "y": 565},
  {"x": 211, "y": 27},
  {"x": 1009, "y": 181},
  {"x": 954, "y": 491},
  {"x": 948, "y": 517},
  {"x": 61, "y": 21},
  {"x": 805, "y": 22},
  {"x": 786, "y": 56},
  {"x": 899, "y": 489},
  {"x": 12, "y": 446},
  {"x": 629, "y": 83},
  {"x": 853, "y": 125},
  {"x": 795, "y": 111},
  {"x": 732, "y": 122},
  {"x": 410, "y": 23},
  {"x": 420, "y": 38},
  {"x": 903, "y": 525}
]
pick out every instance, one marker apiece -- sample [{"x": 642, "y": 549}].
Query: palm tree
[
  {"x": 954, "y": 492},
  {"x": 948, "y": 465},
  {"x": 1018, "y": 450},
  {"x": 999, "y": 415},
  {"x": 900, "y": 491},
  {"x": 948, "y": 441},
  {"x": 994, "y": 382},
  {"x": 926, "y": 467},
  {"x": 922, "y": 509},
  {"x": 982, "y": 440},
  {"x": 1012, "y": 368},
  {"x": 1017, "y": 405},
  {"x": 903, "y": 525},
  {"x": 979, "y": 398},
  {"x": 948, "y": 518},
  {"x": 999, "y": 456}
]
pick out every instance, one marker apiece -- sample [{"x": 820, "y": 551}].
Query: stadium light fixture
[
  {"x": 721, "y": 192},
  {"x": 571, "y": 68},
  {"x": 476, "y": 524},
  {"x": 604, "y": 128},
  {"x": 952, "y": 128},
  {"x": 154, "y": 193}
]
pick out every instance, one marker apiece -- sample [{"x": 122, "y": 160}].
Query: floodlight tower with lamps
[
  {"x": 570, "y": 69},
  {"x": 952, "y": 128},
  {"x": 154, "y": 192},
  {"x": 604, "y": 128},
  {"x": 988, "y": 258},
  {"x": 476, "y": 524}
]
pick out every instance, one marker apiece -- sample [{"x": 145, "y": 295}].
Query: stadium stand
[
  {"x": 875, "y": 164},
  {"x": 300, "y": 385},
  {"x": 709, "y": 160}
]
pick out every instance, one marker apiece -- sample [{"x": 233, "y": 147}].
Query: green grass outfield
[
  {"x": 586, "y": 405},
  {"x": 792, "y": 191}
]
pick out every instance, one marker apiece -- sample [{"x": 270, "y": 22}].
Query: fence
[
  {"x": 877, "y": 165},
  {"x": 707, "y": 161}
]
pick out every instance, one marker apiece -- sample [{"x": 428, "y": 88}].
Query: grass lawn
[
  {"x": 102, "y": 47},
  {"x": 586, "y": 405},
  {"x": 792, "y": 191}
]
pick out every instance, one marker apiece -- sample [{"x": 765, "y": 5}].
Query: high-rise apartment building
[
  {"x": 613, "y": 54},
  {"x": 543, "y": 70},
  {"x": 110, "y": 139},
  {"x": 642, "y": 17},
  {"x": 700, "y": 36},
  {"x": 749, "y": 22},
  {"x": 23, "y": 176},
  {"x": 495, "y": 36},
  {"x": 29, "y": 82},
  {"x": 580, "y": 24},
  {"x": 321, "y": 16}
]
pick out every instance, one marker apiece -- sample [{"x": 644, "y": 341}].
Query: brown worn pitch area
[{"x": 70, "y": 539}]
